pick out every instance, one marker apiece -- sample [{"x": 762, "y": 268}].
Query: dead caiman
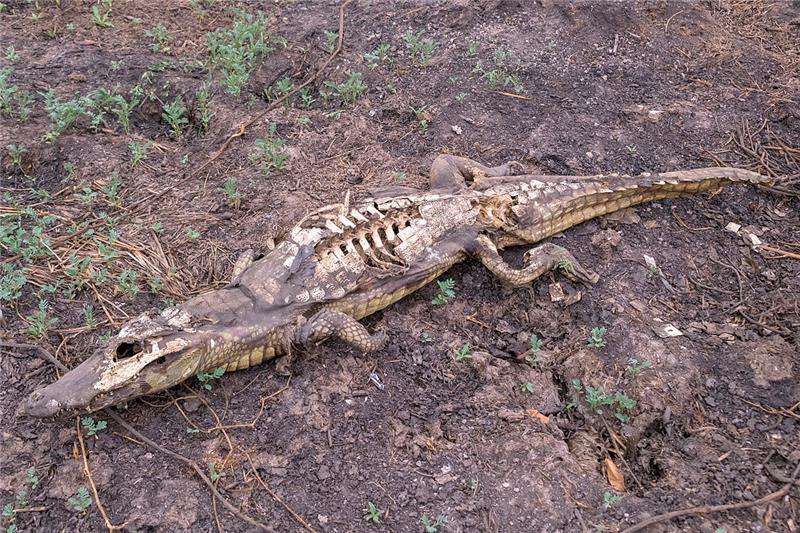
[{"x": 342, "y": 263}]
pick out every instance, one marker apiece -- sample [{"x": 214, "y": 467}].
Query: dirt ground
[{"x": 484, "y": 443}]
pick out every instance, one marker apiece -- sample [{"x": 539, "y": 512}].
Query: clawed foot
[{"x": 564, "y": 261}]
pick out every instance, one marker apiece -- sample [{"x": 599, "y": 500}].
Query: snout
[
  {"x": 40, "y": 405},
  {"x": 74, "y": 391}
]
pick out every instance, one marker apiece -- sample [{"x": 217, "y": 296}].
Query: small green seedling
[
  {"x": 596, "y": 339},
  {"x": 609, "y": 499},
  {"x": 446, "y": 291},
  {"x": 92, "y": 426},
  {"x": 231, "y": 190},
  {"x": 32, "y": 478},
  {"x": 420, "y": 51},
  {"x": 527, "y": 387},
  {"x": 536, "y": 347},
  {"x": 463, "y": 353},
  {"x": 138, "y": 151},
  {"x": 373, "y": 514},
  {"x": 378, "y": 56},
  {"x": 173, "y": 115},
  {"x": 635, "y": 368},
  {"x": 15, "y": 152},
  {"x": 596, "y": 397},
  {"x": 213, "y": 473},
  {"x": 331, "y": 40},
  {"x": 433, "y": 526},
  {"x": 206, "y": 378},
  {"x": 625, "y": 404},
  {"x": 81, "y": 500},
  {"x": 192, "y": 233},
  {"x": 40, "y": 322}
]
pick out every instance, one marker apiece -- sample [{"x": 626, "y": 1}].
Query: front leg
[
  {"x": 451, "y": 173},
  {"x": 539, "y": 260},
  {"x": 330, "y": 323}
]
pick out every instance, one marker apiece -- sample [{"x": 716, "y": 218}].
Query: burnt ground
[{"x": 489, "y": 443}]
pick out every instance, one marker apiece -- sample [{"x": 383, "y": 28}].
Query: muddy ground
[{"x": 483, "y": 443}]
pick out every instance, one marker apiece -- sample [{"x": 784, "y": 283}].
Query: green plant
[
  {"x": 192, "y": 233},
  {"x": 138, "y": 151},
  {"x": 15, "y": 152},
  {"x": 158, "y": 227},
  {"x": 463, "y": 353},
  {"x": 422, "y": 115},
  {"x": 526, "y": 387},
  {"x": 236, "y": 50},
  {"x": 625, "y": 404},
  {"x": 331, "y": 40},
  {"x": 61, "y": 114},
  {"x": 204, "y": 106},
  {"x": 305, "y": 97},
  {"x": 350, "y": 89},
  {"x": 81, "y": 500},
  {"x": 77, "y": 270},
  {"x": 11, "y": 282},
  {"x": 596, "y": 339},
  {"x": 161, "y": 38},
  {"x": 270, "y": 151},
  {"x": 635, "y": 368},
  {"x": 609, "y": 499},
  {"x": 446, "y": 291},
  {"x": 92, "y": 426},
  {"x": 174, "y": 116},
  {"x": 40, "y": 321},
  {"x": 88, "y": 316},
  {"x": 433, "y": 527},
  {"x": 101, "y": 18},
  {"x": 596, "y": 397},
  {"x": 107, "y": 251},
  {"x": 111, "y": 190},
  {"x": 126, "y": 281},
  {"x": 11, "y": 55},
  {"x": 32, "y": 477},
  {"x": 472, "y": 49},
  {"x": 373, "y": 514},
  {"x": 207, "y": 378},
  {"x": 420, "y": 51},
  {"x": 213, "y": 473},
  {"x": 231, "y": 191},
  {"x": 123, "y": 109},
  {"x": 24, "y": 101},
  {"x": 378, "y": 56},
  {"x": 498, "y": 75},
  {"x": 536, "y": 347},
  {"x": 631, "y": 148}
]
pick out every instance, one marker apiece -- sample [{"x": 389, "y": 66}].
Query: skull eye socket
[{"x": 126, "y": 350}]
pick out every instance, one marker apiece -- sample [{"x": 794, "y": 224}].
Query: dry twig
[
  {"x": 706, "y": 509},
  {"x": 111, "y": 527}
]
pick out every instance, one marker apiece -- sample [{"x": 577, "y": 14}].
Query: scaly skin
[{"x": 343, "y": 263}]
